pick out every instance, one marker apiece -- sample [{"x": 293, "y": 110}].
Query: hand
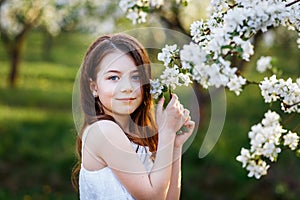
[
  {"x": 183, "y": 136},
  {"x": 173, "y": 117}
]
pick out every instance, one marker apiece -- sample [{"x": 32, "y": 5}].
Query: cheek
[
  {"x": 106, "y": 93},
  {"x": 137, "y": 87},
  {"x": 139, "y": 94},
  {"x": 105, "y": 97}
]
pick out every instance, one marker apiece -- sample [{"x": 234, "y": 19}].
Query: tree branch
[
  {"x": 292, "y": 3},
  {"x": 287, "y": 106}
]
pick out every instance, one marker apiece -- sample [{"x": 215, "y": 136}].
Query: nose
[{"x": 126, "y": 85}]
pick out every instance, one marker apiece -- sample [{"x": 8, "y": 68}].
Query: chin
[{"x": 124, "y": 112}]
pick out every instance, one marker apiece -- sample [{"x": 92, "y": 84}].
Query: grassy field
[
  {"x": 36, "y": 125},
  {"x": 38, "y": 134}
]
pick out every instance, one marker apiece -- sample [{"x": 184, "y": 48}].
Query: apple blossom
[
  {"x": 226, "y": 32},
  {"x": 291, "y": 139},
  {"x": 263, "y": 64}
]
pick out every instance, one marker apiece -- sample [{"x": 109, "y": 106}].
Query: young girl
[{"x": 124, "y": 151}]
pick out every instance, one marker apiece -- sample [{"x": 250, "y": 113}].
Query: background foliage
[{"x": 38, "y": 135}]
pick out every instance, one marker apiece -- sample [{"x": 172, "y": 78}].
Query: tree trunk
[
  {"x": 14, "y": 63},
  {"x": 13, "y": 47},
  {"x": 15, "y": 57}
]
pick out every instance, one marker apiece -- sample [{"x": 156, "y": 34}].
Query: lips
[{"x": 126, "y": 99}]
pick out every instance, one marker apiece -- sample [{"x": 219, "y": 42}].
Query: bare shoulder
[
  {"x": 105, "y": 125},
  {"x": 106, "y": 134},
  {"x": 104, "y": 128},
  {"x": 108, "y": 141}
]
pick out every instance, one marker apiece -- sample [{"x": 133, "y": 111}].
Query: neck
[{"x": 123, "y": 121}]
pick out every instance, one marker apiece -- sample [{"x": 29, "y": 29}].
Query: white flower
[
  {"x": 217, "y": 6},
  {"x": 235, "y": 84},
  {"x": 257, "y": 142},
  {"x": 268, "y": 38},
  {"x": 198, "y": 31},
  {"x": 167, "y": 53},
  {"x": 271, "y": 118},
  {"x": 294, "y": 17},
  {"x": 182, "y": 1},
  {"x": 133, "y": 15},
  {"x": 244, "y": 157},
  {"x": 216, "y": 78},
  {"x": 267, "y": 89},
  {"x": 257, "y": 169},
  {"x": 288, "y": 91},
  {"x": 265, "y": 136},
  {"x": 170, "y": 77},
  {"x": 263, "y": 64},
  {"x": 247, "y": 50},
  {"x": 142, "y": 17},
  {"x": 192, "y": 54},
  {"x": 134, "y": 10},
  {"x": 291, "y": 139},
  {"x": 184, "y": 79},
  {"x": 255, "y": 129},
  {"x": 126, "y": 4},
  {"x": 156, "y": 88},
  {"x": 219, "y": 38},
  {"x": 270, "y": 151},
  {"x": 234, "y": 18},
  {"x": 156, "y": 3},
  {"x": 200, "y": 74}
]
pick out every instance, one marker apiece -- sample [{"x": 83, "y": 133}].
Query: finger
[
  {"x": 186, "y": 111},
  {"x": 181, "y": 108},
  {"x": 160, "y": 104},
  {"x": 186, "y": 114},
  {"x": 190, "y": 124},
  {"x": 188, "y": 119},
  {"x": 173, "y": 100}
]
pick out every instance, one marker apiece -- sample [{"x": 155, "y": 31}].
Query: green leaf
[
  {"x": 298, "y": 153},
  {"x": 184, "y": 3},
  {"x": 165, "y": 89},
  {"x": 167, "y": 96}
]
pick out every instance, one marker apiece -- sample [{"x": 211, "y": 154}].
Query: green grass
[
  {"x": 36, "y": 125},
  {"x": 38, "y": 134},
  {"x": 37, "y": 131}
]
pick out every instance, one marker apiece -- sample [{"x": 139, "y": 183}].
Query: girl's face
[{"x": 118, "y": 84}]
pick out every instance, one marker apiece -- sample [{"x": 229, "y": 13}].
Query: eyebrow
[
  {"x": 112, "y": 71},
  {"x": 118, "y": 72}
]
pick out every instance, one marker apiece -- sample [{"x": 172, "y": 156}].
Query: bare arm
[
  {"x": 175, "y": 183},
  {"x": 108, "y": 142}
]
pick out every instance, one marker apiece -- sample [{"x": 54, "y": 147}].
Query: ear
[{"x": 93, "y": 86}]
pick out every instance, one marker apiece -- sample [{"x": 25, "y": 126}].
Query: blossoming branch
[{"x": 207, "y": 60}]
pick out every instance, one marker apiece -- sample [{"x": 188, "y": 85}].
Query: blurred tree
[{"x": 19, "y": 17}]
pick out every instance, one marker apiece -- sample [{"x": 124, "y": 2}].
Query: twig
[
  {"x": 297, "y": 128},
  {"x": 252, "y": 82},
  {"x": 290, "y": 118},
  {"x": 292, "y": 3},
  {"x": 289, "y": 106}
]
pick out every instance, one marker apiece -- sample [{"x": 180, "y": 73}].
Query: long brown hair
[{"x": 143, "y": 122}]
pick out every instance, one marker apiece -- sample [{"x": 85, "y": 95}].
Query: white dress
[{"x": 103, "y": 184}]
